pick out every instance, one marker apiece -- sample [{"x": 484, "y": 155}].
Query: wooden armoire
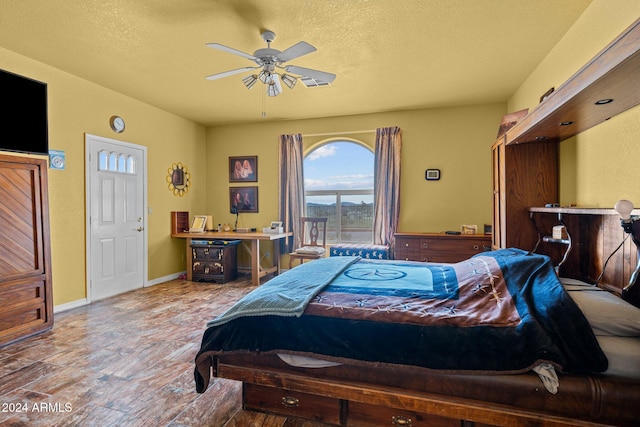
[{"x": 26, "y": 305}]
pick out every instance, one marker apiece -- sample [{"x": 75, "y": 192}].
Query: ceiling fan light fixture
[
  {"x": 249, "y": 81},
  {"x": 264, "y": 76},
  {"x": 289, "y": 80},
  {"x": 273, "y": 85}
]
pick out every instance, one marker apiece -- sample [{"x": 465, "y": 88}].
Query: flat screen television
[{"x": 23, "y": 114}]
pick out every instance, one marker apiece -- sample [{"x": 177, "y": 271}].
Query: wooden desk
[{"x": 256, "y": 269}]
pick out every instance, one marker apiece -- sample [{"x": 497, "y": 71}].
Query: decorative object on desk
[
  {"x": 198, "y": 224},
  {"x": 246, "y": 230},
  {"x": 546, "y": 94},
  {"x": 243, "y": 169},
  {"x": 178, "y": 179},
  {"x": 245, "y": 199},
  {"x": 226, "y": 227},
  {"x": 209, "y": 225},
  {"x": 274, "y": 228},
  {"x": 432, "y": 174},
  {"x": 234, "y": 210},
  {"x": 630, "y": 225},
  {"x": 488, "y": 229},
  {"x": 469, "y": 229},
  {"x": 179, "y": 222},
  {"x": 510, "y": 120}
]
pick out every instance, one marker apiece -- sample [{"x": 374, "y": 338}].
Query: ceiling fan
[{"x": 270, "y": 61}]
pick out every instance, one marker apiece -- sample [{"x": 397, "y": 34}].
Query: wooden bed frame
[
  {"x": 363, "y": 396},
  {"x": 366, "y": 396}
]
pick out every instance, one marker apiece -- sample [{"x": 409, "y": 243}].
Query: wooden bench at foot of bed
[{"x": 367, "y": 396}]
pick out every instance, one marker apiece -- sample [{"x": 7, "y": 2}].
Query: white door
[{"x": 116, "y": 177}]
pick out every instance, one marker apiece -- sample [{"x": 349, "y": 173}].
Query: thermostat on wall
[{"x": 432, "y": 174}]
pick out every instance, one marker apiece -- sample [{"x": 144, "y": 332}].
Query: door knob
[{"x": 139, "y": 229}]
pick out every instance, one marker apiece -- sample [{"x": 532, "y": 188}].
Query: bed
[{"x": 493, "y": 340}]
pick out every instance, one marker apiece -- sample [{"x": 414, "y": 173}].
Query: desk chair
[{"x": 313, "y": 242}]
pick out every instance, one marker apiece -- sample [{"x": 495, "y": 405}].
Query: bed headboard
[{"x": 595, "y": 234}]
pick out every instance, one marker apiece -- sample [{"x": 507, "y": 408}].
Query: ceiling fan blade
[
  {"x": 231, "y": 50},
  {"x": 314, "y": 74},
  {"x": 229, "y": 73},
  {"x": 295, "y": 51}
]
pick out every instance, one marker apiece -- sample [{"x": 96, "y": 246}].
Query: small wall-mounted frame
[
  {"x": 245, "y": 199},
  {"x": 243, "y": 169},
  {"x": 432, "y": 174}
]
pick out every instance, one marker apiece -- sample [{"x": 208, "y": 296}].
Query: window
[
  {"x": 114, "y": 162},
  {"x": 338, "y": 182}
]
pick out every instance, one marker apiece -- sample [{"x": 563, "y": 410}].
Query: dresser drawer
[
  {"x": 439, "y": 247},
  {"x": 285, "y": 402},
  {"x": 453, "y": 249},
  {"x": 364, "y": 415},
  {"x": 411, "y": 249}
]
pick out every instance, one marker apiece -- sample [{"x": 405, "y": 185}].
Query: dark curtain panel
[{"x": 291, "y": 189}]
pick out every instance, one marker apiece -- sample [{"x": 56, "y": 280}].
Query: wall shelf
[{"x": 611, "y": 74}]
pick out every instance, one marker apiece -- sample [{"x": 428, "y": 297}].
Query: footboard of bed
[{"x": 357, "y": 401}]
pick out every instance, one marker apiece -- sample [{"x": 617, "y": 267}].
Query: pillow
[
  {"x": 607, "y": 314},
  {"x": 310, "y": 250}
]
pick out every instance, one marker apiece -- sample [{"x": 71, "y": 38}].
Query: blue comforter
[{"x": 498, "y": 312}]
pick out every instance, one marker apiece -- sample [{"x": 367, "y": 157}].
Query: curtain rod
[{"x": 340, "y": 133}]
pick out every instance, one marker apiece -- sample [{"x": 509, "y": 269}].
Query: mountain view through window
[{"x": 338, "y": 180}]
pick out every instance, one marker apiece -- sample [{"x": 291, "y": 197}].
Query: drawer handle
[
  {"x": 476, "y": 247},
  {"x": 290, "y": 402},
  {"x": 399, "y": 420},
  {"x": 406, "y": 245},
  {"x": 425, "y": 245}
]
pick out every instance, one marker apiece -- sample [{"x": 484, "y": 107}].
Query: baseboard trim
[
  {"x": 70, "y": 305},
  {"x": 163, "y": 279}
]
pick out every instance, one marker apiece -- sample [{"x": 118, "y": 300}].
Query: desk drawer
[
  {"x": 285, "y": 402},
  {"x": 364, "y": 415}
]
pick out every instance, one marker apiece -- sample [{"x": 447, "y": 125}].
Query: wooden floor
[{"x": 126, "y": 361}]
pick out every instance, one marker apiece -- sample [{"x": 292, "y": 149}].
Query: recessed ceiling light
[
  {"x": 567, "y": 123},
  {"x": 604, "y": 101}
]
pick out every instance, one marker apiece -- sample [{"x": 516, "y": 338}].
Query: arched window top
[
  {"x": 103, "y": 160},
  {"x": 131, "y": 165},
  {"x": 339, "y": 164}
]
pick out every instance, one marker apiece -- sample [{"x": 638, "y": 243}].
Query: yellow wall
[
  {"x": 76, "y": 107},
  {"x": 599, "y": 166},
  {"x": 455, "y": 140}
]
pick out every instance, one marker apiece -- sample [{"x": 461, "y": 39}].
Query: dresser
[
  {"x": 26, "y": 302},
  {"x": 439, "y": 247},
  {"x": 214, "y": 260}
]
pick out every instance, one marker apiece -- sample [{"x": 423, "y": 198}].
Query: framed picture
[
  {"x": 198, "y": 223},
  {"x": 432, "y": 174},
  {"x": 244, "y": 199},
  {"x": 243, "y": 169}
]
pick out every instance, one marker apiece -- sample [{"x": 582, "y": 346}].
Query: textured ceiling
[{"x": 387, "y": 54}]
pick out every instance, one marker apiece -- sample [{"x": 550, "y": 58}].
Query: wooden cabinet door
[
  {"x": 26, "y": 305},
  {"x": 525, "y": 175}
]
